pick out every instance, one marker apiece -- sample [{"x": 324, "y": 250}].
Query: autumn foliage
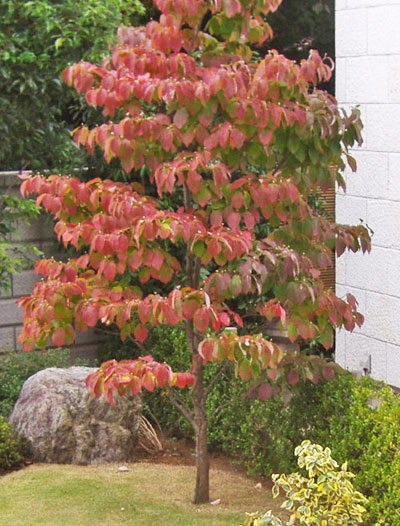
[{"x": 242, "y": 143}]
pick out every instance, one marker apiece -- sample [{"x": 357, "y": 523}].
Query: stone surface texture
[
  {"x": 368, "y": 76},
  {"x": 65, "y": 425}
]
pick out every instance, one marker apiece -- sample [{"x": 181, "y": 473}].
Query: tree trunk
[{"x": 202, "y": 490}]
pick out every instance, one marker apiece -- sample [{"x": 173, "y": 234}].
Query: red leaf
[
  {"x": 181, "y": 117},
  {"x": 188, "y": 137},
  {"x": 144, "y": 313},
  {"x": 214, "y": 248},
  {"x": 149, "y": 381},
  {"x": 163, "y": 374},
  {"x": 158, "y": 260},
  {"x": 166, "y": 140},
  {"x": 189, "y": 307},
  {"x": 264, "y": 392},
  {"x": 110, "y": 270},
  {"x": 184, "y": 379},
  {"x": 237, "y": 138},
  {"x": 232, "y": 7},
  {"x": 206, "y": 349},
  {"x": 194, "y": 181},
  {"x": 249, "y": 220},
  {"x": 273, "y": 374},
  {"x": 135, "y": 385},
  {"x": 238, "y": 319},
  {"x": 245, "y": 371},
  {"x": 351, "y": 300},
  {"x": 135, "y": 260},
  {"x": 234, "y": 219},
  {"x": 90, "y": 315},
  {"x": 328, "y": 373},
  {"x": 292, "y": 377},
  {"x": 237, "y": 200},
  {"x": 265, "y": 137},
  {"x": 225, "y": 319},
  {"x": 171, "y": 317},
  {"x": 189, "y": 378},
  {"x": 140, "y": 333},
  {"x": 201, "y": 319},
  {"x": 276, "y": 114},
  {"x": 58, "y": 337}
]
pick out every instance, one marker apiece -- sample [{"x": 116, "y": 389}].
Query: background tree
[
  {"x": 14, "y": 257},
  {"x": 301, "y": 25},
  {"x": 239, "y": 145},
  {"x": 38, "y": 39}
]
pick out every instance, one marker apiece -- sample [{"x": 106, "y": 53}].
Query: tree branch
[
  {"x": 216, "y": 378},
  {"x": 219, "y": 408},
  {"x": 196, "y": 273},
  {"x": 141, "y": 345},
  {"x": 226, "y": 404},
  {"x": 181, "y": 406},
  {"x": 186, "y": 197}
]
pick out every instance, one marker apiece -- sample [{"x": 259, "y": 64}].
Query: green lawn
[{"x": 147, "y": 495}]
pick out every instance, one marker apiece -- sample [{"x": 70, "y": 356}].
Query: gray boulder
[{"x": 65, "y": 425}]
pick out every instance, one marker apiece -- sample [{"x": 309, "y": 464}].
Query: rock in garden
[{"x": 65, "y": 425}]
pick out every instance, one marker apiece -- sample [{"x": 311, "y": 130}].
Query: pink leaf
[
  {"x": 201, "y": 319},
  {"x": 264, "y": 392},
  {"x": 140, "y": 333},
  {"x": 181, "y": 117},
  {"x": 58, "y": 337},
  {"x": 232, "y": 7},
  {"x": 206, "y": 349}
]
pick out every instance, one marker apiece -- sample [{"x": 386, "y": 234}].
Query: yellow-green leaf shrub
[
  {"x": 13, "y": 448},
  {"x": 325, "y": 498}
]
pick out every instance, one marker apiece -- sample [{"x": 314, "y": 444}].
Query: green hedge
[{"x": 358, "y": 420}]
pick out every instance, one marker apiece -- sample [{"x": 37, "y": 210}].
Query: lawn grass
[{"x": 147, "y": 495}]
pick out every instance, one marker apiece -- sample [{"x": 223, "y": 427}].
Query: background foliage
[
  {"x": 38, "y": 39},
  {"x": 13, "y": 258}
]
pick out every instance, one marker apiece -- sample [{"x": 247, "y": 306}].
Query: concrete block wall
[
  {"x": 368, "y": 75},
  {"x": 39, "y": 233}
]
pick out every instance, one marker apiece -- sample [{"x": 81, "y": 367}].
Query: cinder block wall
[
  {"x": 368, "y": 75},
  {"x": 40, "y": 233}
]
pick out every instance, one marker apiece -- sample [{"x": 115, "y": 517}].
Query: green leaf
[
  {"x": 235, "y": 286},
  {"x": 199, "y": 248},
  {"x": 58, "y": 43}
]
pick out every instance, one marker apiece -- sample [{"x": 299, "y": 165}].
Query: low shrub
[
  {"x": 367, "y": 433},
  {"x": 18, "y": 366},
  {"x": 264, "y": 433},
  {"x": 325, "y": 496},
  {"x": 13, "y": 448},
  {"x": 359, "y": 419}
]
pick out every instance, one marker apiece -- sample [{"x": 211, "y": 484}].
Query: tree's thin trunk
[
  {"x": 202, "y": 490},
  {"x": 198, "y": 395}
]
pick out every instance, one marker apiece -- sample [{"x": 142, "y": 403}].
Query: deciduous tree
[{"x": 242, "y": 145}]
